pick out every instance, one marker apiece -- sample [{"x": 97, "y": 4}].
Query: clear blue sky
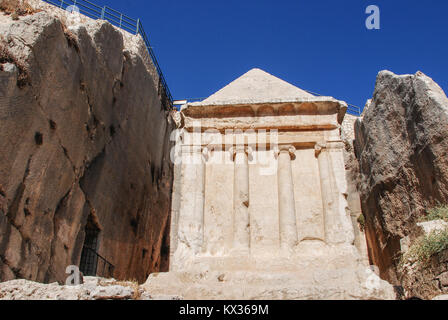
[{"x": 318, "y": 45}]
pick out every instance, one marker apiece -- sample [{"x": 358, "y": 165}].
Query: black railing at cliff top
[
  {"x": 122, "y": 21},
  {"x": 351, "y": 109}
]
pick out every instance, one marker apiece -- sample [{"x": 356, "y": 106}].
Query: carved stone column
[
  {"x": 286, "y": 201},
  {"x": 241, "y": 218},
  {"x": 191, "y": 218},
  {"x": 338, "y": 226}
]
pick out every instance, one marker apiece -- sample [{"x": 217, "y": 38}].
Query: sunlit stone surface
[{"x": 262, "y": 213}]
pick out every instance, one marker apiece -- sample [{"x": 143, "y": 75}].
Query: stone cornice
[{"x": 318, "y": 106}]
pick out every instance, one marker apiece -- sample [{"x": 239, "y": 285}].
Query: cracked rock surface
[
  {"x": 401, "y": 146},
  {"x": 86, "y": 135}
]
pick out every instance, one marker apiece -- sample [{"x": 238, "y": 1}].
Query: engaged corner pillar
[
  {"x": 191, "y": 213},
  {"x": 338, "y": 226},
  {"x": 241, "y": 219},
  {"x": 286, "y": 201}
]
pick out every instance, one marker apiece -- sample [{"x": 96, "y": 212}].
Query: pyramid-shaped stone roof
[{"x": 256, "y": 86}]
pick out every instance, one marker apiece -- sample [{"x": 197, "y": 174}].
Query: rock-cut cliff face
[
  {"x": 84, "y": 140},
  {"x": 401, "y": 145}
]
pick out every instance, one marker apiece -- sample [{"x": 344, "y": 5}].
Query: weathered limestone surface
[
  {"x": 267, "y": 216},
  {"x": 356, "y": 283},
  {"x": 353, "y": 178},
  {"x": 401, "y": 146},
  {"x": 428, "y": 227},
  {"x": 76, "y": 141},
  {"x": 93, "y": 288}
]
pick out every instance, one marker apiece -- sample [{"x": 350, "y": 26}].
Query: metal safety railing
[
  {"x": 121, "y": 21},
  {"x": 351, "y": 109},
  {"x": 354, "y": 110},
  {"x": 96, "y": 265}
]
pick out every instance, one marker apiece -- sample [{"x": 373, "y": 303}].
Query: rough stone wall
[
  {"x": 352, "y": 175},
  {"x": 401, "y": 146},
  {"x": 85, "y": 134}
]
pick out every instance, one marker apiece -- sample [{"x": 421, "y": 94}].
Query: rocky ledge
[{"x": 93, "y": 288}]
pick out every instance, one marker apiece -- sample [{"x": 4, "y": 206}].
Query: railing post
[
  {"x": 121, "y": 18},
  {"x": 138, "y": 26},
  {"x": 62, "y": 3},
  {"x": 103, "y": 12}
]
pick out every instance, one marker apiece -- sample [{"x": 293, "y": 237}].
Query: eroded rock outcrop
[
  {"x": 401, "y": 145},
  {"x": 86, "y": 135}
]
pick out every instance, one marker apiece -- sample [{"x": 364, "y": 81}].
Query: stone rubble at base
[{"x": 93, "y": 288}]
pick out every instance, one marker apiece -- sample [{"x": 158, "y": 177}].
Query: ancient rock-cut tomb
[{"x": 259, "y": 206}]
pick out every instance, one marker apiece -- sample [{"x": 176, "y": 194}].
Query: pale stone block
[
  {"x": 218, "y": 211},
  {"x": 338, "y": 226},
  {"x": 263, "y": 208},
  {"x": 430, "y": 226},
  {"x": 308, "y": 197}
]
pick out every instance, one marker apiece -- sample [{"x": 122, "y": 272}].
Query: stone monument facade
[{"x": 259, "y": 206}]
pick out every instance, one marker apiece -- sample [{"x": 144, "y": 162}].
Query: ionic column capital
[
  {"x": 207, "y": 152},
  {"x": 328, "y": 146},
  {"x": 208, "y": 149},
  {"x": 240, "y": 149},
  {"x": 285, "y": 148}
]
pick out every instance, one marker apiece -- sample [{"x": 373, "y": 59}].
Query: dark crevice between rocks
[
  {"x": 53, "y": 125},
  {"x": 93, "y": 123},
  {"x": 62, "y": 203},
  {"x": 93, "y": 162},
  {"x": 112, "y": 131},
  {"x": 90, "y": 165},
  {"x": 65, "y": 151},
  {"x": 71, "y": 39},
  {"x": 3, "y": 244},
  {"x": 134, "y": 224},
  {"x": 165, "y": 248},
  {"x": 14, "y": 207},
  {"x": 38, "y": 138},
  {"x": 15, "y": 271},
  {"x": 5, "y": 238}
]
